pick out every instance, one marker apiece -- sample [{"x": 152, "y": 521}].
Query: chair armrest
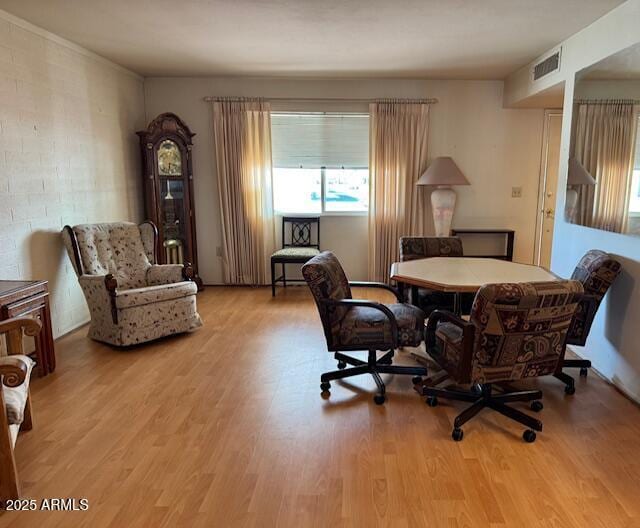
[
  {"x": 30, "y": 326},
  {"x": 381, "y": 285},
  {"x": 91, "y": 284},
  {"x": 369, "y": 304},
  {"x": 13, "y": 370},
  {"x": 164, "y": 274},
  {"x": 15, "y": 328},
  {"x": 468, "y": 332}
]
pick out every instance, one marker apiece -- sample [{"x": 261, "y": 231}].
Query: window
[
  {"x": 634, "y": 198},
  {"x": 320, "y": 162}
]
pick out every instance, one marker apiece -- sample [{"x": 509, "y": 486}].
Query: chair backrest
[
  {"x": 326, "y": 280},
  {"x": 301, "y": 231},
  {"x": 596, "y": 271},
  {"x": 413, "y": 248},
  {"x": 521, "y": 329},
  {"x": 116, "y": 248}
]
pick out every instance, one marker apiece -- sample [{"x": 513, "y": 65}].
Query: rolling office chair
[{"x": 352, "y": 325}]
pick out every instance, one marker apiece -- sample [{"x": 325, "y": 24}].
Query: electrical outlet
[
  {"x": 516, "y": 192},
  {"x": 218, "y": 251}
]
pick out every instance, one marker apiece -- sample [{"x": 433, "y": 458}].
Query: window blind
[{"x": 311, "y": 141}]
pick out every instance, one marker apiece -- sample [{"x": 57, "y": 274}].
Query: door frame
[{"x": 542, "y": 181}]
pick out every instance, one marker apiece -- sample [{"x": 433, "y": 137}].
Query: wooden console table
[
  {"x": 31, "y": 299},
  {"x": 509, "y": 235}
]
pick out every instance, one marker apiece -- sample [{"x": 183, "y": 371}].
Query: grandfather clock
[{"x": 168, "y": 189}]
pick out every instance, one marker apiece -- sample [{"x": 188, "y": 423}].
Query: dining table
[{"x": 464, "y": 274}]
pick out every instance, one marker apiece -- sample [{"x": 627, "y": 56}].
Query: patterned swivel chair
[
  {"x": 131, "y": 298},
  {"x": 515, "y": 331},
  {"x": 414, "y": 248},
  {"x": 596, "y": 271},
  {"x": 352, "y": 324}
]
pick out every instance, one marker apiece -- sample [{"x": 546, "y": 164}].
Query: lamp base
[
  {"x": 570, "y": 203},
  {"x": 443, "y": 202}
]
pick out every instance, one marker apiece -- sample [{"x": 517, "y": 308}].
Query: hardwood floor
[{"x": 226, "y": 427}]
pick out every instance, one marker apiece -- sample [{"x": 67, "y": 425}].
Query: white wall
[
  {"x": 613, "y": 342},
  {"x": 496, "y": 148},
  {"x": 68, "y": 154}
]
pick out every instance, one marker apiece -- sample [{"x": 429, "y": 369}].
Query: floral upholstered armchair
[{"x": 131, "y": 298}]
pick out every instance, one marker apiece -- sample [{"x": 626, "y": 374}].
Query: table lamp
[
  {"x": 443, "y": 172},
  {"x": 577, "y": 175}
]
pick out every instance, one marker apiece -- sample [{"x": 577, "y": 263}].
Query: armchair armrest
[
  {"x": 14, "y": 370},
  {"x": 468, "y": 335},
  {"x": 369, "y": 304},
  {"x": 169, "y": 273},
  {"x": 92, "y": 284},
  {"x": 381, "y": 285}
]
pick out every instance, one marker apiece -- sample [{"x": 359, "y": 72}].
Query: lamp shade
[
  {"x": 443, "y": 171},
  {"x": 578, "y": 175}
]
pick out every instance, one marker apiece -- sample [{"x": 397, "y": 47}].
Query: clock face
[{"x": 169, "y": 159}]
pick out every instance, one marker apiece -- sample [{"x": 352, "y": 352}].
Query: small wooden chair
[
  {"x": 15, "y": 399},
  {"x": 297, "y": 248}
]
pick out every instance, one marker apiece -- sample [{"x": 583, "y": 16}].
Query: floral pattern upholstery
[
  {"x": 164, "y": 274},
  {"x": 15, "y": 398},
  {"x": 357, "y": 327},
  {"x": 520, "y": 332},
  {"x": 596, "y": 271},
  {"x": 150, "y": 301}
]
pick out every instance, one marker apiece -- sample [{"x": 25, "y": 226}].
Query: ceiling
[
  {"x": 446, "y": 39},
  {"x": 622, "y": 65}
]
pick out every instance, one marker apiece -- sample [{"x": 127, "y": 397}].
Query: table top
[
  {"x": 465, "y": 274},
  {"x": 10, "y": 286}
]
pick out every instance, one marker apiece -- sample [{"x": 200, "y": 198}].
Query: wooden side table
[{"x": 31, "y": 299}]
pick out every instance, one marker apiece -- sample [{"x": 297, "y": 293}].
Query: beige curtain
[
  {"x": 397, "y": 157},
  {"x": 242, "y": 141},
  {"x": 604, "y": 142}
]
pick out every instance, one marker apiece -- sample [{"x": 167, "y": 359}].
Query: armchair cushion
[
  {"x": 366, "y": 326},
  {"x": 15, "y": 398},
  {"x": 164, "y": 274},
  {"x": 154, "y": 294}
]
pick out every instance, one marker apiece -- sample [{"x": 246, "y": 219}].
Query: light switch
[{"x": 516, "y": 192}]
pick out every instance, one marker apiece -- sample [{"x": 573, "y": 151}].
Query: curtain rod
[
  {"x": 326, "y": 99},
  {"x": 606, "y": 101}
]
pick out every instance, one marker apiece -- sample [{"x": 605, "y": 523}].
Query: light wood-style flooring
[{"x": 226, "y": 427}]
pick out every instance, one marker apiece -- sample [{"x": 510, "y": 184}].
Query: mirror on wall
[{"x": 603, "y": 182}]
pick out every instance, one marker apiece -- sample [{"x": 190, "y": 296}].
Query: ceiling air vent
[{"x": 547, "y": 66}]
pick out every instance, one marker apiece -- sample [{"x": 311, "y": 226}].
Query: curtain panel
[
  {"x": 398, "y": 139},
  {"x": 242, "y": 144},
  {"x": 604, "y": 144}
]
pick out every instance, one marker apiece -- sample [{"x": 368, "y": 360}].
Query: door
[{"x": 548, "y": 187}]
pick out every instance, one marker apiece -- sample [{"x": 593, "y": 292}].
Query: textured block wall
[{"x": 68, "y": 154}]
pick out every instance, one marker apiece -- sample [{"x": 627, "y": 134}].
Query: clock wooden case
[{"x": 168, "y": 189}]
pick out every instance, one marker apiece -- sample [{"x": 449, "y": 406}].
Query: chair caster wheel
[
  {"x": 583, "y": 372},
  {"x": 416, "y": 380},
  {"x": 432, "y": 401},
  {"x": 325, "y": 386},
  {"x": 379, "y": 399},
  {"x": 342, "y": 365},
  {"x": 536, "y": 406},
  {"x": 569, "y": 389},
  {"x": 529, "y": 436},
  {"x": 457, "y": 434}
]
